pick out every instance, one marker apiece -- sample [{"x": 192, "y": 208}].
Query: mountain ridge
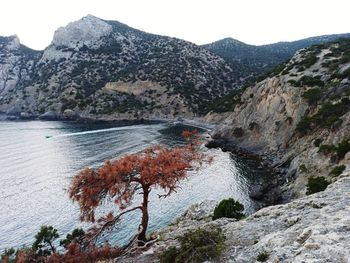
[
  {"x": 257, "y": 59},
  {"x": 101, "y": 69},
  {"x": 90, "y": 53}
]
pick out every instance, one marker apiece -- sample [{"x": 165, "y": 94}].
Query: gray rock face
[
  {"x": 270, "y": 111},
  {"x": 311, "y": 229},
  {"x": 17, "y": 64},
  {"x": 88, "y": 31}
]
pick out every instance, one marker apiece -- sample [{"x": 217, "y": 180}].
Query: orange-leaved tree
[{"x": 119, "y": 180}]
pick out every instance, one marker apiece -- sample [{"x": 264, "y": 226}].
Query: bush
[
  {"x": 336, "y": 171},
  {"x": 8, "y": 255},
  {"x": 44, "y": 239},
  {"x": 326, "y": 148},
  {"x": 169, "y": 255},
  {"x": 253, "y": 126},
  {"x": 317, "y": 142},
  {"x": 308, "y": 61},
  {"x": 310, "y": 81},
  {"x": 196, "y": 246},
  {"x": 238, "y": 132},
  {"x": 76, "y": 236},
  {"x": 229, "y": 208},
  {"x": 328, "y": 116},
  {"x": 312, "y": 96},
  {"x": 316, "y": 184},
  {"x": 304, "y": 125},
  {"x": 303, "y": 168},
  {"x": 263, "y": 256},
  {"x": 342, "y": 148}
]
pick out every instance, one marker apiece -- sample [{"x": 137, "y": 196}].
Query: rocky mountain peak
[
  {"x": 10, "y": 43},
  {"x": 86, "y": 31}
]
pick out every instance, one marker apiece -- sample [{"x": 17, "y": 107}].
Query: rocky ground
[{"x": 315, "y": 228}]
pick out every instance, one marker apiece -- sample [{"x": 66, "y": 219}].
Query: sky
[{"x": 200, "y": 21}]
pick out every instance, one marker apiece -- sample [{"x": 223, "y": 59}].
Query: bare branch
[{"x": 110, "y": 223}]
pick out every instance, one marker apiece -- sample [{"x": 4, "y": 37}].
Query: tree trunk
[
  {"x": 52, "y": 247},
  {"x": 144, "y": 222}
]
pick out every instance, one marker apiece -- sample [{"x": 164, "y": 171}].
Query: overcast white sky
[{"x": 199, "y": 21}]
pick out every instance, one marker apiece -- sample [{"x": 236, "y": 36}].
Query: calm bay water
[{"x": 38, "y": 160}]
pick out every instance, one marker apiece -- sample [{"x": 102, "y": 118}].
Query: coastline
[{"x": 269, "y": 193}]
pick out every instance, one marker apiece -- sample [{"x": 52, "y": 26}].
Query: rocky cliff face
[
  {"x": 294, "y": 114},
  {"x": 17, "y": 64},
  {"x": 73, "y": 76}
]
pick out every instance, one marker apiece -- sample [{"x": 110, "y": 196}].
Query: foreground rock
[{"x": 312, "y": 229}]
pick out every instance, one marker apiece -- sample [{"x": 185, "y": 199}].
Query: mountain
[
  {"x": 299, "y": 117},
  {"x": 250, "y": 60},
  {"x": 107, "y": 70}
]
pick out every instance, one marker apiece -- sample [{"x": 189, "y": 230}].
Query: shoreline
[
  {"x": 268, "y": 194},
  {"x": 195, "y": 121}
]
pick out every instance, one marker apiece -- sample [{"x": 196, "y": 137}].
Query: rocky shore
[{"x": 311, "y": 229}]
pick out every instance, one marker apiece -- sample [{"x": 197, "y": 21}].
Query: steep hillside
[
  {"x": 104, "y": 69},
  {"x": 17, "y": 65},
  {"x": 300, "y": 117},
  {"x": 251, "y": 60}
]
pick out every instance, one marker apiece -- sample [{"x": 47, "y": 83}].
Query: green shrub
[
  {"x": 253, "y": 126},
  {"x": 343, "y": 148},
  {"x": 229, "y": 208},
  {"x": 263, "y": 256},
  {"x": 44, "y": 239},
  {"x": 8, "y": 255},
  {"x": 226, "y": 103},
  {"x": 312, "y": 96},
  {"x": 317, "y": 142},
  {"x": 293, "y": 82},
  {"x": 238, "y": 132},
  {"x": 340, "y": 150},
  {"x": 328, "y": 116},
  {"x": 308, "y": 61},
  {"x": 304, "y": 124},
  {"x": 336, "y": 171},
  {"x": 310, "y": 81},
  {"x": 326, "y": 149},
  {"x": 76, "y": 236},
  {"x": 169, "y": 255},
  {"x": 303, "y": 168},
  {"x": 316, "y": 184},
  {"x": 196, "y": 246}
]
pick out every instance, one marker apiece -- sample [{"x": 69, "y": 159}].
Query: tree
[
  {"x": 43, "y": 244},
  {"x": 119, "y": 180},
  {"x": 229, "y": 208},
  {"x": 77, "y": 236},
  {"x": 316, "y": 184}
]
